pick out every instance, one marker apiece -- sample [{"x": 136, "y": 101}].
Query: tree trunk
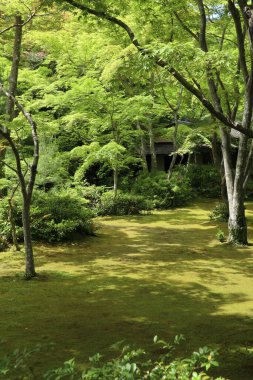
[
  {"x": 237, "y": 222},
  {"x": 219, "y": 164},
  {"x": 26, "y": 186},
  {"x": 174, "y": 156},
  {"x": 172, "y": 164},
  {"x": 13, "y": 226},
  {"x": 189, "y": 160},
  {"x": 143, "y": 150},
  {"x": 13, "y": 78},
  {"x": 224, "y": 195},
  {"x": 216, "y": 151},
  {"x": 115, "y": 181},
  {"x": 152, "y": 148},
  {"x": 29, "y": 260},
  {"x": 10, "y": 110},
  {"x": 237, "y": 226}
]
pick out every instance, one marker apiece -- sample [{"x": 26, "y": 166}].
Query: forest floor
[{"x": 161, "y": 274}]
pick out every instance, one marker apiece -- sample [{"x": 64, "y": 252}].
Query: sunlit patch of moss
[{"x": 162, "y": 274}]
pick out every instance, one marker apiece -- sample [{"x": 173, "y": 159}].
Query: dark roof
[{"x": 162, "y": 147}]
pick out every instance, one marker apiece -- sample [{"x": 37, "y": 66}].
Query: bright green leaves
[
  {"x": 193, "y": 142},
  {"x": 111, "y": 154},
  {"x": 24, "y": 8}
]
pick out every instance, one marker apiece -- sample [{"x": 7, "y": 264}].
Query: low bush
[
  {"x": 122, "y": 204},
  {"x": 161, "y": 192},
  {"x": 205, "y": 179},
  {"x": 93, "y": 194},
  {"x": 182, "y": 189},
  {"x": 55, "y": 216}
]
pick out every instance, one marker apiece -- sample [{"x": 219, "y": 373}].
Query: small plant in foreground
[
  {"x": 220, "y": 236},
  {"x": 135, "y": 365},
  {"x": 129, "y": 364}
]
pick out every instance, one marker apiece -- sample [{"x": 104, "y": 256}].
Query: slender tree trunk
[
  {"x": 13, "y": 78},
  {"x": 237, "y": 222},
  {"x": 26, "y": 186},
  {"x": 10, "y": 110},
  {"x": 115, "y": 181},
  {"x": 174, "y": 156},
  {"x": 219, "y": 164},
  {"x": 216, "y": 151},
  {"x": 224, "y": 195},
  {"x": 152, "y": 148},
  {"x": 172, "y": 164},
  {"x": 189, "y": 160},
  {"x": 29, "y": 260},
  {"x": 175, "y": 147},
  {"x": 13, "y": 226},
  {"x": 143, "y": 150}
]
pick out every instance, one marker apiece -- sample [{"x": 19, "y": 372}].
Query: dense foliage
[
  {"x": 106, "y": 82},
  {"x": 205, "y": 179},
  {"x": 55, "y": 216},
  {"x": 161, "y": 192},
  {"x": 122, "y": 204}
]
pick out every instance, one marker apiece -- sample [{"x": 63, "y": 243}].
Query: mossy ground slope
[{"x": 161, "y": 274}]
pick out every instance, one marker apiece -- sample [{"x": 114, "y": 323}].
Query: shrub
[
  {"x": 55, "y": 216},
  {"x": 93, "y": 194},
  {"x": 181, "y": 187},
  {"x": 220, "y": 213},
  {"x": 205, "y": 179},
  {"x": 122, "y": 204},
  {"x": 162, "y": 192}
]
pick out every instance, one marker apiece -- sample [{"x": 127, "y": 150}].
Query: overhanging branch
[
  {"x": 177, "y": 75},
  {"x": 108, "y": 17}
]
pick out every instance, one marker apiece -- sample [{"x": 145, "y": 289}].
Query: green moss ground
[{"x": 159, "y": 274}]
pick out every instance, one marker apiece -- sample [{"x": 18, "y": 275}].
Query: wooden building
[{"x": 164, "y": 150}]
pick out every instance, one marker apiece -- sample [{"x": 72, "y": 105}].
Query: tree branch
[
  {"x": 202, "y": 33},
  {"x": 32, "y": 15},
  {"x": 204, "y": 47},
  {"x": 185, "y": 27},
  {"x": 195, "y": 91},
  {"x": 22, "y": 24},
  {"x": 240, "y": 38},
  {"x": 8, "y": 166},
  {"x": 108, "y": 17}
]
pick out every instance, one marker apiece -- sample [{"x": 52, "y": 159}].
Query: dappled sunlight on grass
[{"x": 162, "y": 274}]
